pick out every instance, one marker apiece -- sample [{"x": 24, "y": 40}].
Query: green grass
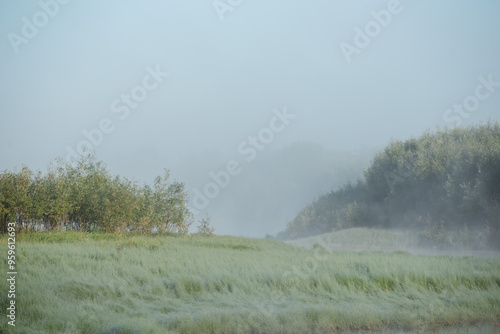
[
  {"x": 363, "y": 239},
  {"x": 360, "y": 239},
  {"x": 100, "y": 283}
]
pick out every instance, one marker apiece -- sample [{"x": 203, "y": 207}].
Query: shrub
[
  {"x": 451, "y": 177},
  {"x": 86, "y": 197},
  {"x": 204, "y": 227}
]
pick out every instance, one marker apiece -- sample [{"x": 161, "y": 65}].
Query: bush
[
  {"x": 86, "y": 197},
  {"x": 204, "y": 227},
  {"x": 451, "y": 177}
]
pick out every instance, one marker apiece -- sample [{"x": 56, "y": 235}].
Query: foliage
[
  {"x": 86, "y": 197},
  {"x": 440, "y": 182},
  {"x": 204, "y": 227}
]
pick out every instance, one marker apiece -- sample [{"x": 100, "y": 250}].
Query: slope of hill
[
  {"x": 445, "y": 186},
  {"x": 388, "y": 240}
]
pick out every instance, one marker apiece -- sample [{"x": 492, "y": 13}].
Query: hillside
[
  {"x": 444, "y": 186},
  {"x": 361, "y": 239}
]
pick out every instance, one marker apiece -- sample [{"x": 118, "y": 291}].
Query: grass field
[
  {"x": 362, "y": 239},
  {"x": 72, "y": 282}
]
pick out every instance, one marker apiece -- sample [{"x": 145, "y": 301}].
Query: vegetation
[
  {"x": 444, "y": 185},
  {"x": 387, "y": 240},
  {"x": 76, "y": 282},
  {"x": 360, "y": 239},
  {"x": 204, "y": 227},
  {"x": 86, "y": 197},
  {"x": 79, "y": 272}
]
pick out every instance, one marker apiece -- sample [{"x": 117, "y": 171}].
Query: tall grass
[{"x": 102, "y": 283}]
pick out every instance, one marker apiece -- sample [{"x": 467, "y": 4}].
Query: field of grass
[
  {"x": 361, "y": 238},
  {"x": 71, "y": 282}
]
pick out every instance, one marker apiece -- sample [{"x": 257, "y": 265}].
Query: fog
[{"x": 258, "y": 107}]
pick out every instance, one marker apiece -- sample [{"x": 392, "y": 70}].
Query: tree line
[
  {"x": 85, "y": 196},
  {"x": 445, "y": 180}
]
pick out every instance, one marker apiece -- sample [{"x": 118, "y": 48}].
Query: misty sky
[{"x": 183, "y": 84}]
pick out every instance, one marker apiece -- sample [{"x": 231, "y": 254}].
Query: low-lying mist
[{"x": 386, "y": 240}]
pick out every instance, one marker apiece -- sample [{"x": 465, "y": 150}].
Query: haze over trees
[
  {"x": 86, "y": 197},
  {"x": 271, "y": 189},
  {"x": 445, "y": 180}
]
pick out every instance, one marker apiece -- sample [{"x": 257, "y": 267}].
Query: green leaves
[
  {"x": 451, "y": 177},
  {"x": 87, "y": 197}
]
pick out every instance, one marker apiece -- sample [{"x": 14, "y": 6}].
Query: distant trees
[
  {"x": 87, "y": 197},
  {"x": 446, "y": 179}
]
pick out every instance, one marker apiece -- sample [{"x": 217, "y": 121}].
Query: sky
[{"x": 222, "y": 92}]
